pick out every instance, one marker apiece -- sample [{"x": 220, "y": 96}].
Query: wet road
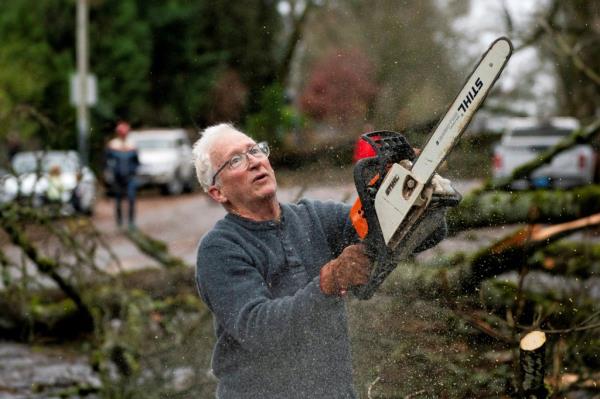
[{"x": 182, "y": 220}]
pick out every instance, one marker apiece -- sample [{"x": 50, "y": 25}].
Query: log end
[{"x": 533, "y": 341}]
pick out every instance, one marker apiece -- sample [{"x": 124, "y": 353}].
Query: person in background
[
  {"x": 55, "y": 189},
  {"x": 122, "y": 163}
]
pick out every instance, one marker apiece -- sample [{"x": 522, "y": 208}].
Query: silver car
[
  {"x": 526, "y": 138},
  {"x": 50, "y": 176},
  {"x": 165, "y": 157}
]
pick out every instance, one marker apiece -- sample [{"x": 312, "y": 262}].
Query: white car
[
  {"x": 165, "y": 157},
  {"x": 527, "y": 138},
  {"x": 73, "y": 185}
]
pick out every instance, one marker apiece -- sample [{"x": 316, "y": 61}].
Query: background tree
[
  {"x": 403, "y": 41},
  {"x": 572, "y": 41},
  {"x": 157, "y": 63},
  {"x": 35, "y": 60},
  {"x": 340, "y": 89}
]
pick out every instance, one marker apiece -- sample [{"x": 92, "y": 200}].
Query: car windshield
[
  {"x": 151, "y": 144},
  {"x": 32, "y": 162},
  {"x": 541, "y": 131}
]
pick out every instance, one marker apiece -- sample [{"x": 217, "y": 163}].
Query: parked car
[
  {"x": 50, "y": 176},
  {"x": 165, "y": 157},
  {"x": 527, "y": 138}
]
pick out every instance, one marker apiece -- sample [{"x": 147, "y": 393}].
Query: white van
[{"x": 165, "y": 157}]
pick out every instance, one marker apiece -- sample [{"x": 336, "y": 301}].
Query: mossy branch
[
  {"x": 12, "y": 225},
  {"x": 154, "y": 248},
  {"x": 495, "y": 208}
]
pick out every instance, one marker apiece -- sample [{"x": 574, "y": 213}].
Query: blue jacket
[{"x": 122, "y": 164}]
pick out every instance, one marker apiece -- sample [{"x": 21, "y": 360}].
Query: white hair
[{"x": 202, "y": 149}]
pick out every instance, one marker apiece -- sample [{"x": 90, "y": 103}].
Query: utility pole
[{"x": 83, "y": 125}]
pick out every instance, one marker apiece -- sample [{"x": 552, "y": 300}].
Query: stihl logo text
[
  {"x": 392, "y": 184},
  {"x": 471, "y": 95}
]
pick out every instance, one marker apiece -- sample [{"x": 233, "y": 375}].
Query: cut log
[{"x": 532, "y": 365}]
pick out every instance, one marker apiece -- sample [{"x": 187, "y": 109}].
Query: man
[
  {"x": 122, "y": 163},
  {"x": 274, "y": 276}
]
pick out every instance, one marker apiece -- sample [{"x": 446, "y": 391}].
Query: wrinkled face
[{"x": 243, "y": 185}]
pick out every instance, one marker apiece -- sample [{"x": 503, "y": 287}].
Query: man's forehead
[{"x": 230, "y": 143}]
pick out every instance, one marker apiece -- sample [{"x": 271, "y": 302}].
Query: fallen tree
[
  {"x": 464, "y": 275},
  {"x": 495, "y": 208}
]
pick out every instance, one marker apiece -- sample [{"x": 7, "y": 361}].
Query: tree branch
[{"x": 569, "y": 51}]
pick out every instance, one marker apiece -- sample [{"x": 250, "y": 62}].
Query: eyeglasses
[{"x": 240, "y": 160}]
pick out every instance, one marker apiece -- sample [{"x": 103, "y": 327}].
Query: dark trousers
[{"x": 125, "y": 187}]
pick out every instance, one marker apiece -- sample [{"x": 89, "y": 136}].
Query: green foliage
[
  {"x": 155, "y": 61},
  {"x": 275, "y": 119},
  {"x": 34, "y": 63}
]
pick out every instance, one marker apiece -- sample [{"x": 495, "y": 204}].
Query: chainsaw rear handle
[{"x": 390, "y": 147}]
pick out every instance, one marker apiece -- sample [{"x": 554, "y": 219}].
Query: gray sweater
[{"x": 278, "y": 336}]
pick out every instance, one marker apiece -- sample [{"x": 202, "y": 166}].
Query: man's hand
[{"x": 351, "y": 268}]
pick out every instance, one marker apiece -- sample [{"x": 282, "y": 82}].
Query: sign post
[{"x": 83, "y": 125}]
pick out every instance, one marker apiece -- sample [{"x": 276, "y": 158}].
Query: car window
[
  {"x": 541, "y": 131},
  {"x": 30, "y": 162},
  {"x": 151, "y": 144}
]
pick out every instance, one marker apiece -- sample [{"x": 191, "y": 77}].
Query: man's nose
[{"x": 253, "y": 161}]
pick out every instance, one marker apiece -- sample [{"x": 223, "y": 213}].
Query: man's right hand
[{"x": 351, "y": 268}]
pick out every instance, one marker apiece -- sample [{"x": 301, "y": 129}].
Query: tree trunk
[{"x": 532, "y": 365}]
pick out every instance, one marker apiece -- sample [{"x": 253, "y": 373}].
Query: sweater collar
[{"x": 255, "y": 225}]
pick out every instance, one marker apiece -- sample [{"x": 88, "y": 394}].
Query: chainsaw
[{"x": 398, "y": 190}]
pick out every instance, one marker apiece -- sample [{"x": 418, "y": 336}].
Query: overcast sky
[{"x": 485, "y": 22}]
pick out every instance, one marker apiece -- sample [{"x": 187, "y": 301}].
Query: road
[{"x": 181, "y": 221}]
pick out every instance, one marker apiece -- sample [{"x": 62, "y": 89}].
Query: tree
[
  {"x": 36, "y": 54},
  {"x": 413, "y": 74},
  {"x": 341, "y": 88},
  {"x": 565, "y": 33},
  {"x": 573, "y": 42}
]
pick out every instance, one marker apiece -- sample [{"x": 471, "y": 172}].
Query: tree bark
[
  {"x": 155, "y": 249},
  {"x": 532, "y": 365}
]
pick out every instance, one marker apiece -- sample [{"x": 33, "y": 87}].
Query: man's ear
[{"x": 215, "y": 193}]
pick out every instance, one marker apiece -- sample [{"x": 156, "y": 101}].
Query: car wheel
[
  {"x": 190, "y": 184},
  {"x": 174, "y": 186}
]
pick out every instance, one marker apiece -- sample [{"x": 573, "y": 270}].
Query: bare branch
[
  {"x": 569, "y": 51},
  {"x": 539, "y": 32}
]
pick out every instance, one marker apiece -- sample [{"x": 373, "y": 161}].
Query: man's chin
[{"x": 267, "y": 191}]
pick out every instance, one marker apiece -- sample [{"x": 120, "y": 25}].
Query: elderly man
[{"x": 274, "y": 276}]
